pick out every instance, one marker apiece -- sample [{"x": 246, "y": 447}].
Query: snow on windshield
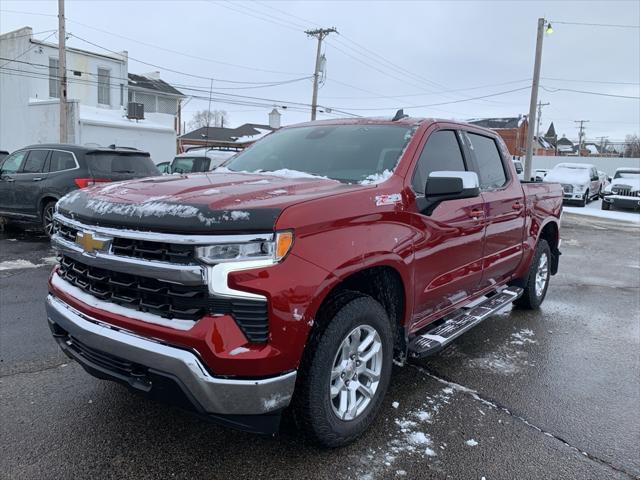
[{"x": 353, "y": 153}]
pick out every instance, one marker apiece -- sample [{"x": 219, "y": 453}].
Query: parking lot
[{"x": 547, "y": 394}]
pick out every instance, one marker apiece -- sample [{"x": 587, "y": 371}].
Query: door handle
[
  {"x": 476, "y": 213},
  {"x": 37, "y": 179},
  {"x": 517, "y": 206}
]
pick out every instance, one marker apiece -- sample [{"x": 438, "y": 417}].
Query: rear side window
[
  {"x": 440, "y": 153},
  {"x": 489, "y": 163},
  {"x": 189, "y": 164},
  {"x": 61, "y": 161},
  {"x": 104, "y": 164},
  {"x": 35, "y": 161}
]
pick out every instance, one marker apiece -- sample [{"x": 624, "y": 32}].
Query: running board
[{"x": 455, "y": 324}]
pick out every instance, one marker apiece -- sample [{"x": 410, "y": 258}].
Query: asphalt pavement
[{"x": 547, "y": 394}]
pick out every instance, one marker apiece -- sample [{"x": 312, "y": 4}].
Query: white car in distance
[{"x": 580, "y": 181}]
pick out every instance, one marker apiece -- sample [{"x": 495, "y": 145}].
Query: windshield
[
  {"x": 349, "y": 153},
  {"x": 628, "y": 174},
  {"x": 189, "y": 164},
  {"x": 106, "y": 164}
]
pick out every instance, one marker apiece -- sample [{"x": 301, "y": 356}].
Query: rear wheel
[
  {"x": 537, "y": 279},
  {"x": 346, "y": 373},
  {"x": 47, "y": 217}
]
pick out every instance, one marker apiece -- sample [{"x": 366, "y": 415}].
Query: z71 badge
[{"x": 390, "y": 199}]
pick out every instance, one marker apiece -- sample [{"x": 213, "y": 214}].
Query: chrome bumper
[{"x": 212, "y": 394}]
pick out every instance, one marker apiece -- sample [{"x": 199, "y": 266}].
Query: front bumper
[
  {"x": 621, "y": 201},
  {"x": 144, "y": 364}
]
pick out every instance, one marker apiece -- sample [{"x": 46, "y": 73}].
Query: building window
[
  {"x": 54, "y": 83},
  {"x": 104, "y": 88}
]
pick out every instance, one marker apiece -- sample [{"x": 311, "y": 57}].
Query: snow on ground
[
  {"x": 594, "y": 210},
  {"x": 21, "y": 264}
]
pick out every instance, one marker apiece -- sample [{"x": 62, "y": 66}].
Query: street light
[{"x": 528, "y": 167}]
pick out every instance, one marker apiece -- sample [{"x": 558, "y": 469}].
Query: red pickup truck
[{"x": 293, "y": 276}]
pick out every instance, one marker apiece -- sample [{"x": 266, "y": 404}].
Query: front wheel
[
  {"x": 345, "y": 375},
  {"x": 585, "y": 199},
  {"x": 605, "y": 206},
  {"x": 537, "y": 281},
  {"x": 47, "y": 218}
]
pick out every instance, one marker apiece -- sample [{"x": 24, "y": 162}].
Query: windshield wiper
[{"x": 123, "y": 171}]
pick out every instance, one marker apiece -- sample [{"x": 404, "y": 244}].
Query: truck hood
[
  {"x": 197, "y": 203},
  {"x": 571, "y": 176}
]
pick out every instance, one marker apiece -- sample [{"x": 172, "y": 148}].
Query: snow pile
[
  {"x": 471, "y": 442},
  {"x": 257, "y": 182},
  {"x": 283, "y": 173},
  {"x": 280, "y": 191},
  {"x": 377, "y": 178},
  {"x": 522, "y": 337},
  {"x": 594, "y": 210}
]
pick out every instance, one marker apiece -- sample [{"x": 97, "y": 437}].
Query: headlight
[
  {"x": 274, "y": 250},
  {"x": 582, "y": 188}
]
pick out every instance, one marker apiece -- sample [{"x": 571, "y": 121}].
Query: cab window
[
  {"x": 490, "y": 168},
  {"x": 440, "y": 153}
]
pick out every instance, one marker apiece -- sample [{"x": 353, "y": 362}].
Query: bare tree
[
  {"x": 632, "y": 146},
  {"x": 213, "y": 118}
]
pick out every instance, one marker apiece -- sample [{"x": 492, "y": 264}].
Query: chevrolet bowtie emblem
[{"x": 91, "y": 243}]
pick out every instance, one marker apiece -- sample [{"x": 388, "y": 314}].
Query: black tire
[
  {"x": 312, "y": 406},
  {"x": 605, "y": 206},
  {"x": 531, "y": 299},
  {"x": 47, "y": 218}
]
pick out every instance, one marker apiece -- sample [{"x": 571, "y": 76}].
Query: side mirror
[{"x": 448, "y": 185}]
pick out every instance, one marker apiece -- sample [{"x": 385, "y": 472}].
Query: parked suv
[
  {"x": 624, "y": 190},
  {"x": 33, "y": 178},
  {"x": 294, "y": 275}
]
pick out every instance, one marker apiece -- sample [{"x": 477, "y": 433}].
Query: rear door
[
  {"x": 504, "y": 208},
  {"x": 448, "y": 253},
  {"x": 8, "y": 172},
  {"x": 29, "y": 182},
  {"x": 63, "y": 170},
  {"x": 595, "y": 182}
]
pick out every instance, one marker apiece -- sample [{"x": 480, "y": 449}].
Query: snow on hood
[
  {"x": 571, "y": 176},
  {"x": 634, "y": 183},
  {"x": 226, "y": 200}
]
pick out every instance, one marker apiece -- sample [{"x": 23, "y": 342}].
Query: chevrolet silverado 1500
[{"x": 293, "y": 276}]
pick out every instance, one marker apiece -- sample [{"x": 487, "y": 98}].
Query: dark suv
[{"x": 33, "y": 178}]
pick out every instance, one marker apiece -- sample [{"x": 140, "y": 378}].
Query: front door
[
  {"x": 8, "y": 173},
  {"x": 448, "y": 251},
  {"x": 504, "y": 209},
  {"x": 29, "y": 181}
]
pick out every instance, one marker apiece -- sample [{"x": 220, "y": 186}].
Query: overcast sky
[{"x": 416, "y": 52}]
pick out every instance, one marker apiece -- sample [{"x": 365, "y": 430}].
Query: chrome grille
[
  {"x": 141, "y": 249},
  {"x": 625, "y": 190}
]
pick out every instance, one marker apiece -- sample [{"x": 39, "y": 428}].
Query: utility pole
[
  {"x": 528, "y": 167},
  {"x": 62, "y": 72},
  {"x": 320, "y": 34},
  {"x": 580, "y": 133},
  {"x": 540, "y": 105}
]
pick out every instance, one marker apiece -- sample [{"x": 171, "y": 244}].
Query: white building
[{"x": 99, "y": 90}]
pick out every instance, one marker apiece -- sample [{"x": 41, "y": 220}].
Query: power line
[
  {"x": 177, "y": 85},
  {"x": 593, "y": 24},
  {"x": 27, "y": 50},
  {"x": 452, "y": 101},
  {"x": 27, "y": 35},
  {"x": 589, "y": 81},
  {"x": 554, "y": 90}
]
